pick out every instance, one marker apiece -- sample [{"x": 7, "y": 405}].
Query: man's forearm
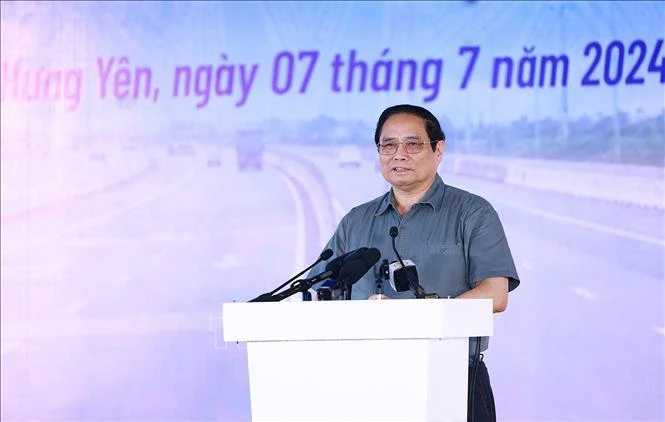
[{"x": 495, "y": 288}]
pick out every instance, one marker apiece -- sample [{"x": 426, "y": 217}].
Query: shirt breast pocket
[
  {"x": 451, "y": 249},
  {"x": 442, "y": 268}
]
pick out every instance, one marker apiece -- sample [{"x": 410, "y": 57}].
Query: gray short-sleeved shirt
[{"x": 455, "y": 238}]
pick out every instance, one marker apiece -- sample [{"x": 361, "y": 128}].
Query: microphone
[
  {"x": 393, "y": 234},
  {"x": 268, "y": 297},
  {"x": 402, "y": 275},
  {"x": 354, "y": 270},
  {"x": 334, "y": 266},
  {"x": 333, "y": 269},
  {"x": 348, "y": 274}
]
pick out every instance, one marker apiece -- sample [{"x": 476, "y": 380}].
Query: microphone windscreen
[
  {"x": 371, "y": 257},
  {"x": 353, "y": 271},
  {"x": 336, "y": 264},
  {"x": 325, "y": 255}
]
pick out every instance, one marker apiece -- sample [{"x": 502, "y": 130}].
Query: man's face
[{"x": 403, "y": 170}]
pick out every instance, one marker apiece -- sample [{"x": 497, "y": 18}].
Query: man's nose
[{"x": 401, "y": 151}]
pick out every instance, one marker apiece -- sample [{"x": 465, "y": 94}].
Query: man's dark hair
[{"x": 432, "y": 125}]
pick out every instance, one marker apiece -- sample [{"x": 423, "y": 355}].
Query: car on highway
[
  {"x": 214, "y": 160},
  {"x": 181, "y": 149},
  {"x": 249, "y": 149},
  {"x": 98, "y": 156}
]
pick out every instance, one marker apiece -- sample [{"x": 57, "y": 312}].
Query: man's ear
[{"x": 440, "y": 146}]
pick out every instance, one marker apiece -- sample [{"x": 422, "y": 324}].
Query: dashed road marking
[
  {"x": 91, "y": 222},
  {"x": 586, "y": 224},
  {"x": 126, "y": 278},
  {"x": 527, "y": 265},
  {"x": 72, "y": 326},
  {"x": 339, "y": 209},
  {"x": 584, "y": 293},
  {"x": 227, "y": 262},
  {"x": 299, "y": 261},
  {"x": 8, "y": 347},
  {"x": 74, "y": 308}
]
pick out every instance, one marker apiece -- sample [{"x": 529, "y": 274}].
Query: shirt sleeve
[
  {"x": 487, "y": 248},
  {"x": 337, "y": 243}
]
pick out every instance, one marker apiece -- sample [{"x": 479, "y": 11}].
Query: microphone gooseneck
[
  {"x": 393, "y": 235},
  {"x": 347, "y": 268},
  {"x": 271, "y": 297},
  {"x": 412, "y": 279},
  {"x": 325, "y": 255}
]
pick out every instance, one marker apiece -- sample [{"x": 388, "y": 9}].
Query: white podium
[{"x": 390, "y": 360}]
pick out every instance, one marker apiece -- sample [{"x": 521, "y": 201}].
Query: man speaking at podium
[{"x": 453, "y": 238}]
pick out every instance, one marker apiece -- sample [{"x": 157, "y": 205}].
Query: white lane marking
[
  {"x": 527, "y": 265},
  {"x": 174, "y": 238},
  {"x": 74, "y": 308},
  {"x": 126, "y": 278},
  {"x": 73, "y": 326},
  {"x": 585, "y": 224},
  {"x": 584, "y": 293},
  {"x": 33, "y": 270},
  {"x": 9, "y": 346},
  {"x": 227, "y": 262},
  {"x": 339, "y": 209},
  {"x": 299, "y": 260},
  {"x": 148, "y": 266},
  {"x": 302, "y": 174},
  {"x": 659, "y": 330},
  {"x": 215, "y": 324},
  {"x": 95, "y": 220}
]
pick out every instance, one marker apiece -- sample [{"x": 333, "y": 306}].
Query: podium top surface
[{"x": 357, "y": 319}]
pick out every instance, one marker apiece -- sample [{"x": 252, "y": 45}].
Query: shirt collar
[{"x": 433, "y": 197}]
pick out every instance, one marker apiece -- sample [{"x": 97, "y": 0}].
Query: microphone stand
[
  {"x": 381, "y": 275},
  {"x": 270, "y": 296},
  {"x": 347, "y": 291},
  {"x": 302, "y": 286}
]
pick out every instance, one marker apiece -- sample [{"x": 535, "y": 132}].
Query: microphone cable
[{"x": 477, "y": 358}]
